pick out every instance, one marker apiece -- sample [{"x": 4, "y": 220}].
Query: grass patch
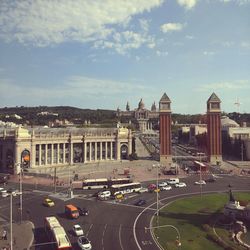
[{"x": 194, "y": 218}]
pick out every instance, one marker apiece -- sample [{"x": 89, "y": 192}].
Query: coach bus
[
  {"x": 125, "y": 188},
  {"x": 56, "y": 234},
  {"x": 103, "y": 182}
]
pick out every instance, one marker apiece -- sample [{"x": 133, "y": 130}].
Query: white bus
[
  {"x": 103, "y": 183},
  {"x": 95, "y": 183},
  {"x": 56, "y": 233},
  {"x": 125, "y": 188}
]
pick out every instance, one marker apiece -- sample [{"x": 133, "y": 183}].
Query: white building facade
[{"x": 62, "y": 146}]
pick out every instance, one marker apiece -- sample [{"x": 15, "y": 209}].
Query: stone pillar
[
  {"x": 85, "y": 151},
  {"x": 95, "y": 151},
  {"x": 64, "y": 153},
  {"x": 52, "y": 153},
  {"x": 106, "y": 150},
  {"x": 33, "y": 154},
  {"x": 71, "y": 148},
  {"x": 118, "y": 149},
  {"x": 58, "y": 153},
  {"x": 40, "y": 154},
  {"x": 90, "y": 151},
  {"x": 46, "y": 154},
  {"x": 111, "y": 150},
  {"x": 100, "y": 150}
]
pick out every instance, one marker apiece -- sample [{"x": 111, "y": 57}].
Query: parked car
[
  {"x": 180, "y": 184},
  {"x": 200, "y": 182},
  {"x": 48, "y": 202},
  {"x": 162, "y": 184},
  {"x": 140, "y": 202},
  {"x": 84, "y": 243},
  {"x": 166, "y": 188},
  {"x": 77, "y": 230},
  {"x": 173, "y": 181},
  {"x": 4, "y": 193},
  {"x": 83, "y": 211},
  {"x": 143, "y": 190}
]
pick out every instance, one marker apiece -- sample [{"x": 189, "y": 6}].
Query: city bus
[
  {"x": 103, "y": 183},
  {"x": 125, "y": 188},
  {"x": 56, "y": 234},
  {"x": 200, "y": 166},
  {"x": 95, "y": 183}
]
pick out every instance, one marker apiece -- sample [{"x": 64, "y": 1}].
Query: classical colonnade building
[{"x": 62, "y": 146}]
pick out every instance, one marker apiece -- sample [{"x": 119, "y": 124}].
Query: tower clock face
[{"x": 164, "y": 106}]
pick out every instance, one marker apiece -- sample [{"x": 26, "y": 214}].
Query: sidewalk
[{"x": 22, "y": 235}]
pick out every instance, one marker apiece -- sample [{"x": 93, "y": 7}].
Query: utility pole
[
  {"x": 11, "y": 236},
  {"x": 21, "y": 193}
]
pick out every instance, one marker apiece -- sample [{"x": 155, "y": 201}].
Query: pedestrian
[{"x": 4, "y": 235}]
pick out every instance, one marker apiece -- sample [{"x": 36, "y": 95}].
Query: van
[
  {"x": 173, "y": 181},
  {"x": 71, "y": 211},
  {"x": 104, "y": 195}
]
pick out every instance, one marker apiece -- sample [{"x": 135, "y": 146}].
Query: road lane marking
[
  {"x": 105, "y": 227},
  {"x": 89, "y": 230},
  {"x": 120, "y": 238}
]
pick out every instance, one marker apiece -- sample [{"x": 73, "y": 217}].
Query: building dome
[
  {"x": 141, "y": 104},
  {"x": 227, "y": 122}
]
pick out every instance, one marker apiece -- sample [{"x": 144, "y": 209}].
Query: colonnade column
[
  {"x": 118, "y": 150},
  {"x": 111, "y": 150},
  {"x": 52, "y": 153},
  {"x": 106, "y": 150},
  {"x": 90, "y": 151},
  {"x": 85, "y": 151},
  {"x": 40, "y": 154},
  {"x": 46, "y": 154},
  {"x": 95, "y": 151},
  {"x": 58, "y": 151},
  {"x": 64, "y": 153},
  {"x": 33, "y": 154},
  {"x": 100, "y": 150},
  {"x": 71, "y": 153}
]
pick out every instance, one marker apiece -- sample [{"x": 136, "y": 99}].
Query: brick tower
[
  {"x": 214, "y": 129},
  {"x": 165, "y": 131}
]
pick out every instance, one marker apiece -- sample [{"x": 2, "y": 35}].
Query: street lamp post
[{"x": 21, "y": 194}]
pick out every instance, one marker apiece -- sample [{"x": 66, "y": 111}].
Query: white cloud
[
  {"x": 208, "y": 53},
  {"x": 189, "y": 37},
  {"x": 169, "y": 27},
  {"x": 234, "y": 85},
  {"x": 161, "y": 53},
  {"x": 240, "y": 2},
  {"x": 125, "y": 41},
  {"x": 43, "y": 23},
  {"x": 187, "y": 4},
  {"x": 245, "y": 45}
]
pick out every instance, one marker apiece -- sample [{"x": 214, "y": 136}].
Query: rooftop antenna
[{"x": 237, "y": 104}]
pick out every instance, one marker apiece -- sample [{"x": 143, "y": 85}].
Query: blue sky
[{"x": 103, "y": 53}]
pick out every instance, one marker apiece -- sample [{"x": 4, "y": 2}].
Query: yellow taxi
[
  {"x": 48, "y": 202},
  {"x": 119, "y": 196}
]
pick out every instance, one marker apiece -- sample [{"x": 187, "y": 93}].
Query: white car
[
  {"x": 4, "y": 193},
  {"x": 162, "y": 184},
  {"x": 166, "y": 188},
  {"x": 200, "y": 182},
  {"x": 84, "y": 243},
  {"x": 180, "y": 184},
  {"x": 77, "y": 230},
  {"x": 143, "y": 190}
]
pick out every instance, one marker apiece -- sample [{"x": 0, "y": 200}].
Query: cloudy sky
[{"x": 103, "y": 53}]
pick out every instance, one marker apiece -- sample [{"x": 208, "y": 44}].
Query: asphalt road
[{"x": 110, "y": 225}]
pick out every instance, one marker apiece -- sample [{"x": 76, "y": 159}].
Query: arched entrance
[{"x": 124, "y": 152}]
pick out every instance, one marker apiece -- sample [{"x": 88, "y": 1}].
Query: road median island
[{"x": 200, "y": 222}]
